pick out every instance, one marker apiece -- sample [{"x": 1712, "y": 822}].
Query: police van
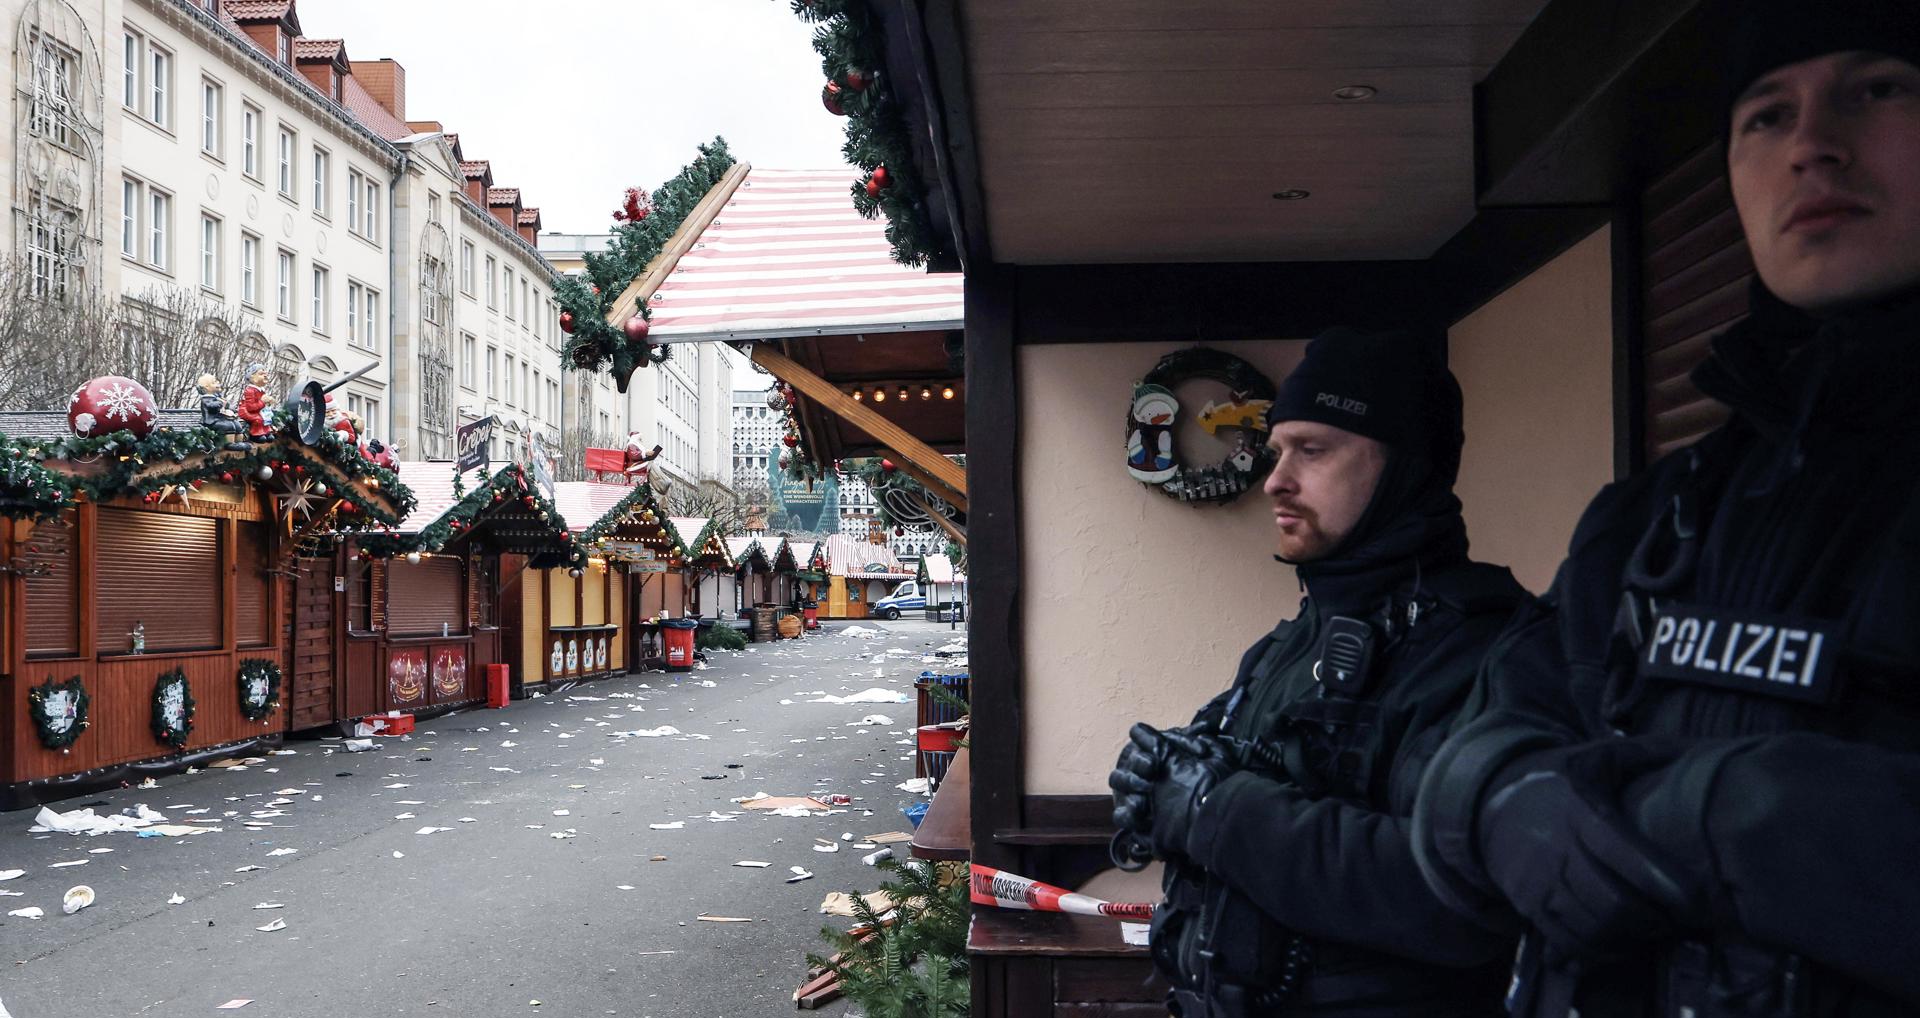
[{"x": 904, "y": 598}]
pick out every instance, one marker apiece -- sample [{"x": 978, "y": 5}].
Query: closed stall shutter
[
  {"x": 424, "y": 596},
  {"x": 1695, "y": 271},
  {"x": 161, "y": 571},
  {"x": 53, "y": 615},
  {"x": 250, "y": 586}
]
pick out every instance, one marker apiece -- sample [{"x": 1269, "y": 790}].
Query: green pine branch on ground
[{"x": 915, "y": 967}]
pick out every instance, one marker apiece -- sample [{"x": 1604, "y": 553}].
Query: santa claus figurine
[
  {"x": 252, "y": 407},
  {"x": 638, "y": 462},
  {"x": 342, "y": 421}
]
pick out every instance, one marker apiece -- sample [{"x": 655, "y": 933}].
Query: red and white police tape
[{"x": 1006, "y": 890}]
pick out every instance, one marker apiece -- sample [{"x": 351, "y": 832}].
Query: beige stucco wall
[
  {"x": 1536, "y": 369},
  {"x": 1135, "y": 607}
]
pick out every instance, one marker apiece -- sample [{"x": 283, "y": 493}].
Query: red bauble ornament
[
  {"x": 889, "y": 466},
  {"x": 790, "y": 440},
  {"x": 899, "y": 531},
  {"x": 111, "y": 403},
  {"x": 636, "y": 329},
  {"x": 566, "y": 322},
  {"x": 879, "y": 181},
  {"x": 857, "y": 81},
  {"x": 831, "y": 97}
]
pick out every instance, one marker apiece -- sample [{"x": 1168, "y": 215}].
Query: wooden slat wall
[
  {"x": 251, "y": 585},
  {"x": 423, "y": 596},
  {"x": 311, "y": 687},
  {"x": 1695, "y": 272},
  {"x": 53, "y": 616},
  {"x": 162, "y": 570}
]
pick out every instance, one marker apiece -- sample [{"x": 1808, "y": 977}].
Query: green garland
[
  {"x": 641, "y": 498},
  {"x": 258, "y": 668},
  {"x": 595, "y": 344},
  {"x": 490, "y": 490},
  {"x": 43, "y": 719},
  {"x": 29, "y": 489},
  {"x": 163, "y": 727},
  {"x": 848, "y": 38}
]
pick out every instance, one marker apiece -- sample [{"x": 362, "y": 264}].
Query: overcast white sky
[{"x": 575, "y": 100}]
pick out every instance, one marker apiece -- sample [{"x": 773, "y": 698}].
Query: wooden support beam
[
  {"x": 677, "y": 245},
  {"x": 948, "y": 473},
  {"x": 933, "y": 486}
]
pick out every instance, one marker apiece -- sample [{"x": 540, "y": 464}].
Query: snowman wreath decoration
[
  {"x": 173, "y": 709},
  {"x": 1240, "y": 420},
  {"x": 59, "y": 712}
]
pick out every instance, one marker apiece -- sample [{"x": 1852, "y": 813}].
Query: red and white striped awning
[{"x": 789, "y": 257}]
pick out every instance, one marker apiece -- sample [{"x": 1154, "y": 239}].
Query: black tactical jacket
[
  {"x": 1324, "y": 895},
  {"x": 1747, "y": 611}
]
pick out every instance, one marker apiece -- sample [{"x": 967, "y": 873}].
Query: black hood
[{"x": 1413, "y": 520}]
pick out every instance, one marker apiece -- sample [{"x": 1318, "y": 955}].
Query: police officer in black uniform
[
  {"x": 1281, "y": 812},
  {"x": 1697, "y": 779}
]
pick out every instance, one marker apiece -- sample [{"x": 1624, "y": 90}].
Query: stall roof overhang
[
  {"x": 749, "y": 554},
  {"x": 506, "y": 525},
  {"x": 619, "y": 512},
  {"x": 788, "y": 257},
  {"x": 705, "y": 545}
]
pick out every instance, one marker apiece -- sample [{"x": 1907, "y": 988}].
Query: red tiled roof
[
  {"x": 474, "y": 167},
  {"x": 366, "y": 109},
  {"x": 319, "y": 49},
  {"x": 530, "y": 217},
  {"x": 503, "y": 195},
  {"x": 258, "y": 10}
]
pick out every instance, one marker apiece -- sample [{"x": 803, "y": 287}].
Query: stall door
[{"x": 313, "y": 695}]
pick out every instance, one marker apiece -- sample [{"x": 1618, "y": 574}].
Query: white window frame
[
  {"x": 506, "y": 394},
  {"x": 526, "y": 309},
  {"x": 288, "y": 151},
  {"x": 213, "y": 105},
  {"x": 133, "y": 48},
  {"x": 210, "y": 252},
  {"x": 159, "y": 64},
  {"x": 130, "y": 202},
  {"x": 250, "y": 269},
  {"x": 285, "y": 263},
  {"x": 159, "y": 250},
  {"x": 371, "y": 211},
  {"x": 319, "y": 279},
  {"x": 370, "y": 319},
  {"x": 353, "y": 312},
  {"x": 493, "y": 286},
  {"x": 322, "y": 182},
  {"x": 250, "y": 140},
  {"x": 493, "y": 357},
  {"x": 506, "y": 274},
  {"x": 469, "y": 352},
  {"x": 466, "y": 267},
  {"x": 354, "y": 177}
]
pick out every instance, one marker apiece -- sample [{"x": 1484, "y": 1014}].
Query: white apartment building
[
  {"x": 206, "y": 145},
  {"x": 756, "y": 435}
]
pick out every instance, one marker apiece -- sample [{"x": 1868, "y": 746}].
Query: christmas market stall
[
  {"x": 858, "y": 574},
  {"x": 1543, "y": 198},
  {"x": 633, "y": 582},
  {"x": 709, "y": 568},
  {"x": 945, "y": 588},
  {"x": 430, "y": 606},
  {"x": 753, "y": 571},
  {"x": 147, "y": 618}
]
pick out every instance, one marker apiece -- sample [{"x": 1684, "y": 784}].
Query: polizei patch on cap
[
  {"x": 1348, "y": 404},
  {"x": 1766, "y": 655}
]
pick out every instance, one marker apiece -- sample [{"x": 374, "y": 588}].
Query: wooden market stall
[
  {"x": 943, "y": 585},
  {"x": 430, "y": 606},
  {"x": 1543, "y": 195},
  {"x": 753, "y": 571},
  {"x": 709, "y": 568},
  {"x": 858, "y": 573},
  {"x": 147, "y": 621},
  {"x": 633, "y": 580}
]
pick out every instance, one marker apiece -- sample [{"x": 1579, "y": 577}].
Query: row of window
[
  {"x": 147, "y": 90},
  {"x": 514, "y": 381},
  {"x": 530, "y": 307},
  {"x": 146, "y": 236}
]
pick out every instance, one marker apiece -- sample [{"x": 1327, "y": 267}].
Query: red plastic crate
[
  {"x": 936, "y": 739},
  {"x": 387, "y": 724}
]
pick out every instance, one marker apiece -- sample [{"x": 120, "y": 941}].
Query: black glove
[
  {"x": 1577, "y": 871},
  {"x": 1194, "y": 764},
  {"x": 1141, "y": 763}
]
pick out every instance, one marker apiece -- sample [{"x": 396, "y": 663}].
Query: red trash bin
[
  {"x": 810, "y": 613},
  {"x": 499, "y": 685},
  {"x": 678, "y": 634}
]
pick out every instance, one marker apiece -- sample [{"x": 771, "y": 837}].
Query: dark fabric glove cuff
[
  {"x": 1212, "y": 825},
  {"x": 1674, "y": 809},
  {"x": 1446, "y": 814}
]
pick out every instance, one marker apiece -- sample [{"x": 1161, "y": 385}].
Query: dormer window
[
  {"x": 286, "y": 47},
  {"x": 334, "y": 89}
]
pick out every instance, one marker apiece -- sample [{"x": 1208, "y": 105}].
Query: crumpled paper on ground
[
  {"x": 840, "y": 903},
  {"x": 874, "y": 695},
  {"x": 85, "y": 821}
]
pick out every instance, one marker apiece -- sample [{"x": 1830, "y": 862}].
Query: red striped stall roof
[{"x": 787, "y": 257}]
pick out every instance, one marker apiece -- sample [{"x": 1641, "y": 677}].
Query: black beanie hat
[
  {"x": 1392, "y": 387},
  {"x": 1770, "y": 34}
]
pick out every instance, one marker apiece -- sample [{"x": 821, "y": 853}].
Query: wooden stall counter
[{"x": 1054, "y": 965}]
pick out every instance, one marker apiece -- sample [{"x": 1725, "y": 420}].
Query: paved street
[{"x": 494, "y": 912}]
